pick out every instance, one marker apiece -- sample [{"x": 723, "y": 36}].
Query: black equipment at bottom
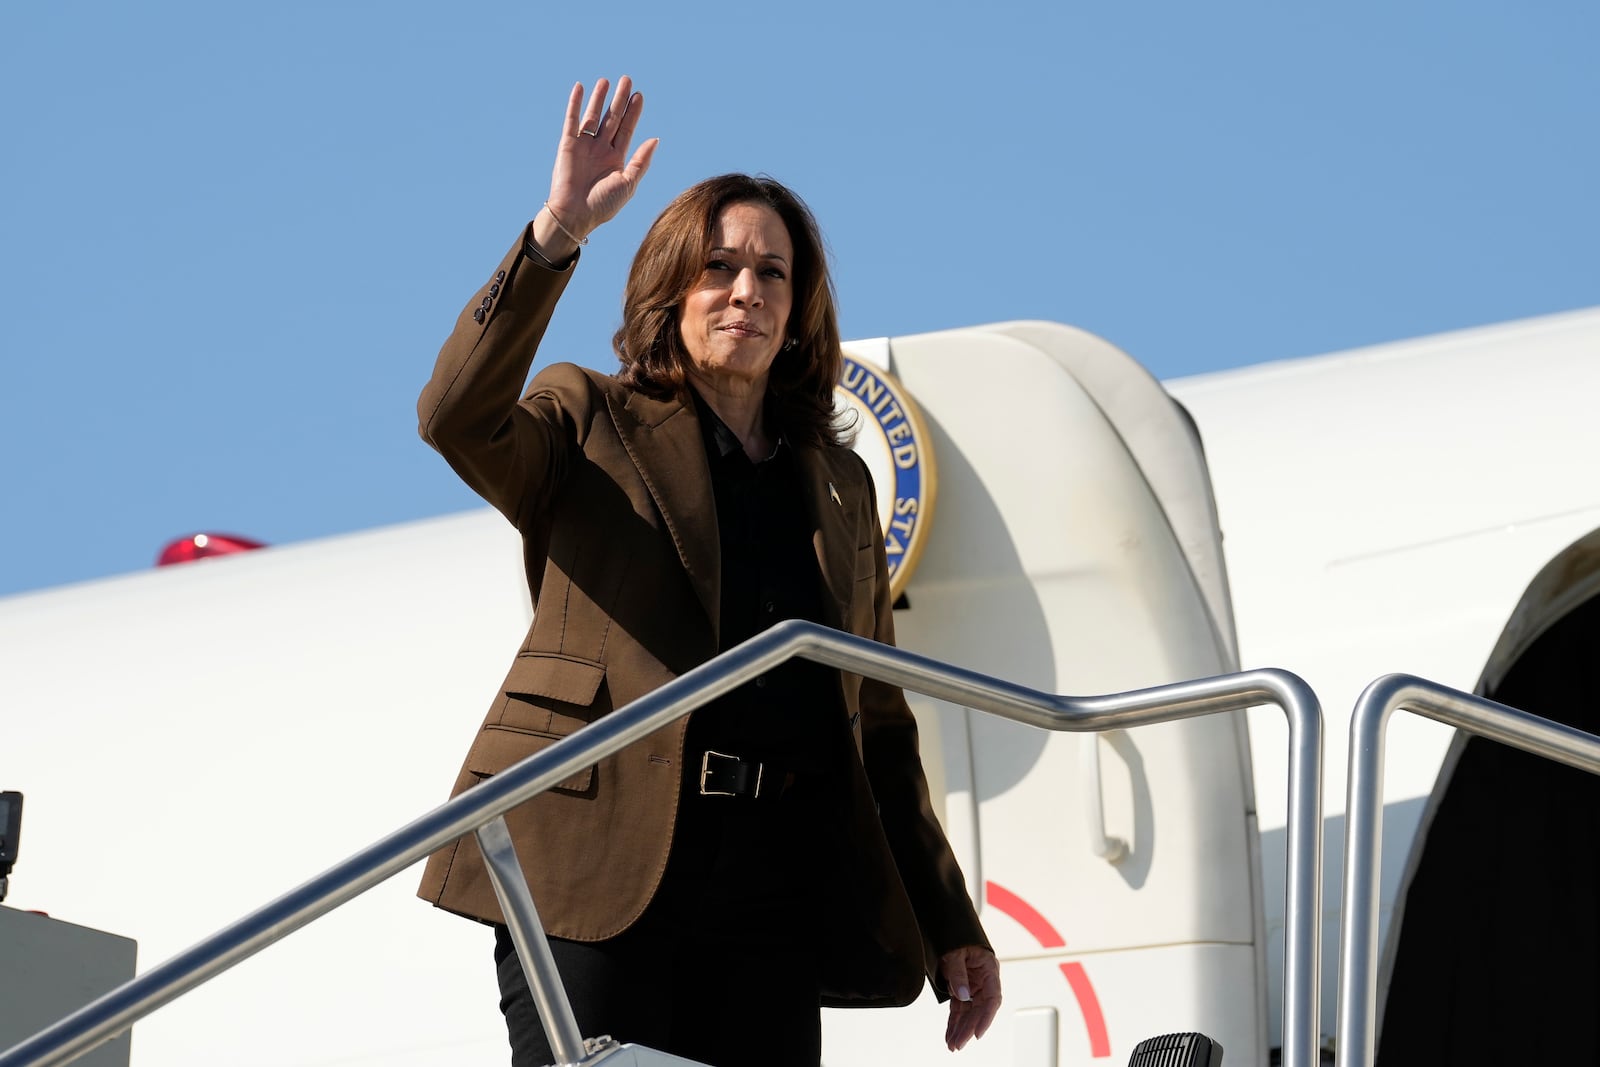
[{"x": 1177, "y": 1050}]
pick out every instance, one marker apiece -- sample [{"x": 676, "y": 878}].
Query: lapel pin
[{"x": 835, "y": 494}]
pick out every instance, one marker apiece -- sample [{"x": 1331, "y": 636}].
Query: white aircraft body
[{"x": 195, "y": 740}]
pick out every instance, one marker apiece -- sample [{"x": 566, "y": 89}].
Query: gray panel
[{"x": 49, "y": 969}]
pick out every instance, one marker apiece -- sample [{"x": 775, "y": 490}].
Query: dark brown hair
[{"x": 670, "y": 261}]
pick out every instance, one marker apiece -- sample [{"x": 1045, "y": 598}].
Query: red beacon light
[{"x": 203, "y": 546}]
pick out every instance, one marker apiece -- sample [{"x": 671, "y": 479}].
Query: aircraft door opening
[{"x": 1491, "y": 955}]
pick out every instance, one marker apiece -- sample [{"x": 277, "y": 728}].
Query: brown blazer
[{"x": 612, "y": 494}]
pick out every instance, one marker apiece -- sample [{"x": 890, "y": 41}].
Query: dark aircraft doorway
[{"x": 1494, "y": 952}]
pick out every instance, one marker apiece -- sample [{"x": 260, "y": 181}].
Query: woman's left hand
[
  {"x": 593, "y": 175},
  {"x": 973, "y": 977}
]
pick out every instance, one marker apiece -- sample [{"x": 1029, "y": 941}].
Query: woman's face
[{"x": 736, "y": 316}]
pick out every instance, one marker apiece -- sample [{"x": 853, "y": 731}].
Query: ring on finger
[{"x": 589, "y": 133}]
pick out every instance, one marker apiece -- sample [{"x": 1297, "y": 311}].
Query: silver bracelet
[{"x": 574, "y": 238}]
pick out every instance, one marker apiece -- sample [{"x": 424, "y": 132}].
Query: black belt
[{"x": 722, "y": 775}]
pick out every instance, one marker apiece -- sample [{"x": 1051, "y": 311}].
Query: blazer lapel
[
  {"x": 835, "y": 495},
  {"x": 663, "y": 440}
]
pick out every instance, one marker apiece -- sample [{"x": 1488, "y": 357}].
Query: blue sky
[{"x": 235, "y": 235}]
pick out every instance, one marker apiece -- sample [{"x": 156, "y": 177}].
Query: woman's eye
[
  {"x": 774, "y": 272},
  {"x": 718, "y": 264}
]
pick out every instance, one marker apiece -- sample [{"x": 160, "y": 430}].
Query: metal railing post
[
  {"x": 1358, "y": 948},
  {"x": 533, "y": 948}
]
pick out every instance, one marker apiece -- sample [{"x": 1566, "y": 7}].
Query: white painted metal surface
[
  {"x": 1054, "y": 564},
  {"x": 1384, "y": 509},
  {"x": 176, "y": 732},
  {"x": 1393, "y": 502}
]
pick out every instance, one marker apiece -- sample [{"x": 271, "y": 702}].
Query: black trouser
[{"x": 722, "y": 966}]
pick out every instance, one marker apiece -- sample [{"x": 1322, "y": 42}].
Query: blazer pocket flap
[
  {"x": 556, "y": 677},
  {"x": 497, "y": 748}
]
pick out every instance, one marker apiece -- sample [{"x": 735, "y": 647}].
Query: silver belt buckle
[{"x": 705, "y": 772}]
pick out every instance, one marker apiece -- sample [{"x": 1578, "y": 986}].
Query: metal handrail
[
  {"x": 1358, "y": 960},
  {"x": 478, "y": 807}
]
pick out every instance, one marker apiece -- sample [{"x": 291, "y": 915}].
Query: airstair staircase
[{"x": 481, "y": 811}]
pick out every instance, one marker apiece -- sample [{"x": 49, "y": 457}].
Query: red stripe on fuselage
[
  {"x": 1028, "y": 917},
  {"x": 1023, "y": 913},
  {"x": 1093, "y": 1019}
]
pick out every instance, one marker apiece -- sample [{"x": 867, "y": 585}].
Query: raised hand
[{"x": 593, "y": 175}]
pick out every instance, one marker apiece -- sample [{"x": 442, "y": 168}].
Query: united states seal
[{"x": 893, "y": 440}]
